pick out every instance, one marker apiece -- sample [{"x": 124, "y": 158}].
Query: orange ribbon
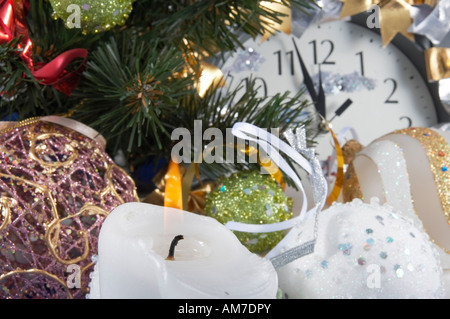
[
  {"x": 334, "y": 194},
  {"x": 173, "y": 190}
]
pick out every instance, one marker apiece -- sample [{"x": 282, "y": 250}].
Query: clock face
[{"x": 383, "y": 89}]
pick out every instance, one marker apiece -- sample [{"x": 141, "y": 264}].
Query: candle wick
[{"x": 172, "y": 247}]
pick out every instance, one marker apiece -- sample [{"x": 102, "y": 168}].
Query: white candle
[{"x": 209, "y": 262}]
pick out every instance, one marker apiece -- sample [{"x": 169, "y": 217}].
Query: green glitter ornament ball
[
  {"x": 253, "y": 198},
  {"x": 92, "y": 16}
]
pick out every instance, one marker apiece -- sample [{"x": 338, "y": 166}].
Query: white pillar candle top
[{"x": 209, "y": 262}]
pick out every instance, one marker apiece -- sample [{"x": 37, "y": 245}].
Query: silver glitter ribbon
[
  {"x": 434, "y": 23},
  {"x": 298, "y": 141},
  {"x": 296, "y": 149},
  {"x": 319, "y": 185},
  {"x": 293, "y": 254}
]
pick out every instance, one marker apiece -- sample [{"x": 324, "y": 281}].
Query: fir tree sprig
[
  {"x": 211, "y": 26},
  {"x": 221, "y": 107},
  {"x": 136, "y": 88},
  {"x": 19, "y": 91},
  {"x": 131, "y": 88}
]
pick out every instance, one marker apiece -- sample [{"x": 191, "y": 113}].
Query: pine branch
[
  {"x": 221, "y": 108},
  {"x": 136, "y": 88},
  {"x": 210, "y": 26},
  {"x": 20, "y": 92},
  {"x": 52, "y": 37},
  {"x": 24, "y": 95},
  {"x": 131, "y": 89}
]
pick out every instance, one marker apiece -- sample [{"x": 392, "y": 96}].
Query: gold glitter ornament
[
  {"x": 253, "y": 198},
  {"x": 92, "y": 16}
]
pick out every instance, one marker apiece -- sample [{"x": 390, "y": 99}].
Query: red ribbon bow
[{"x": 54, "y": 73}]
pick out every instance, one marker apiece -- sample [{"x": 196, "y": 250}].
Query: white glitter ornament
[
  {"x": 409, "y": 170},
  {"x": 362, "y": 251}
]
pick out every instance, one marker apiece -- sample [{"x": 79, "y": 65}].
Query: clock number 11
[{"x": 291, "y": 61}]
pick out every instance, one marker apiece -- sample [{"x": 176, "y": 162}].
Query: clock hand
[
  {"x": 325, "y": 125},
  {"x": 341, "y": 109},
  {"x": 320, "y": 104},
  {"x": 306, "y": 77}
]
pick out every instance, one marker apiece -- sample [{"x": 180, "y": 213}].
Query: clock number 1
[{"x": 361, "y": 62}]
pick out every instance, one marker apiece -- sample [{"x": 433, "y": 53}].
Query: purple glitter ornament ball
[{"x": 56, "y": 188}]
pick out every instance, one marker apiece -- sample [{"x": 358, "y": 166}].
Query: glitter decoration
[
  {"x": 308, "y": 273},
  {"x": 380, "y": 219},
  {"x": 342, "y": 228},
  {"x": 432, "y": 142},
  {"x": 334, "y": 83},
  {"x": 247, "y": 60},
  {"x": 95, "y": 16},
  {"x": 266, "y": 203},
  {"x": 368, "y": 244},
  {"x": 399, "y": 271},
  {"x": 56, "y": 188},
  {"x": 346, "y": 249}
]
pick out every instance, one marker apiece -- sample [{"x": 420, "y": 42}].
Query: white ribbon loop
[{"x": 271, "y": 145}]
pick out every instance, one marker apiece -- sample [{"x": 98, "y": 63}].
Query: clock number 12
[{"x": 330, "y": 51}]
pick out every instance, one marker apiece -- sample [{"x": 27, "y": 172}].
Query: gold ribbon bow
[
  {"x": 285, "y": 24},
  {"x": 438, "y": 63},
  {"x": 393, "y": 15},
  {"x": 205, "y": 74}
]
